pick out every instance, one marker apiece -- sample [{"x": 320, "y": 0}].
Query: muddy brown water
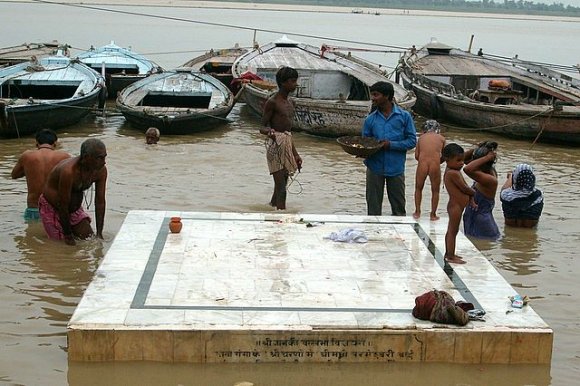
[{"x": 224, "y": 170}]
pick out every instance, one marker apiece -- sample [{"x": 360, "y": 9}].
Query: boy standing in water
[
  {"x": 428, "y": 155},
  {"x": 460, "y": 194},
  {"x": 283, "y": 159}
]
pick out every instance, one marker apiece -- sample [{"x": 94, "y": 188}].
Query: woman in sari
[{"x": 478, "y": 220}]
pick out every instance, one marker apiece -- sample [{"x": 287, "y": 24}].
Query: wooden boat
[
  {"x": 332, "y": 98},
  {"x": 176, "y": 102},
  {"x": 119, "y": 66},
  {"x": 518, "y": 99},
  {"x": 49, "y": 93},
  {"x": 217, "y": 63},
  {"x": 10, "y": 56}
]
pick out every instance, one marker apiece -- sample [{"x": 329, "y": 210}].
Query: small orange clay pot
[{"x": 175, "y": 225}]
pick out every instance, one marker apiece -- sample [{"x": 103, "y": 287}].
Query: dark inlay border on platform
[{"x": 149, "y": 272}]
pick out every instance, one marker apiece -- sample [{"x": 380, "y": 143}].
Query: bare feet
[
  {"x": 454, "y": 259},
  {"x": 434, "y": 216},
  {"x": 417, "y": 214}
]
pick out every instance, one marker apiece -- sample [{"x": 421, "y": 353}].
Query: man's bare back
[
  {"x": 66, "y": 173},
  {"x": 35, "y": 165}
]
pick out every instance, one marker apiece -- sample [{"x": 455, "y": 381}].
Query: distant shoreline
[{"x": 300, "y": 8}]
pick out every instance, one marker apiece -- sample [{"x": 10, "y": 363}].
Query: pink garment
[{"x": 51, "y": 220}]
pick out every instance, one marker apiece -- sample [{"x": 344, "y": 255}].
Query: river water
[{"x": 224, "y": 170}]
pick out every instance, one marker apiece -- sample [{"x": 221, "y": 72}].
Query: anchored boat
[
  {"x": 176, "y": 102},
  {"x": 120, "y": 66},
  {"x": 51, "y": 92},
  {"x": 332, "y": 98},
  {"x": 10, "y": 56},
  {"x": 217, "y": 63},
  {"x": 511, "y": 97}
]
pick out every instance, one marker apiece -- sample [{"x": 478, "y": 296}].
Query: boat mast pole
[{"x": 470, "y": 43}]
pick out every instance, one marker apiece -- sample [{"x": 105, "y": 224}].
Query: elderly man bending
[{"x": 60, "y": 203}]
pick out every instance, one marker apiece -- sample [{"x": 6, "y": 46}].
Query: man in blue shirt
[{"x": 395, "y": 129}]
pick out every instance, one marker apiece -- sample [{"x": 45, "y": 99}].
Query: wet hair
[
  {"x": 483, "y": 149},
  {"x": 153, "y": 131},
  {"x": 384, "y": 88},
  {"x": 46, "y": 136},
  {"x": 91, "y": 146},
  {"x": 452, "y": 150},
  {"x": 431, "y": 125},
  {"x": 284, "y": 74}
]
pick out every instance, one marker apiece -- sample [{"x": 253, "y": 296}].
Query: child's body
[
  {"x": 283, "y": 159},
  {"x": 428, "y": 155},
  {"x": 460, "y": 195}
]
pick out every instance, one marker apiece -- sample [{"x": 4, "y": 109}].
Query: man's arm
[
  {"x": 18, "y": 171},
  {"x": 409, "y": 134},
  {"x": 100, "y": 203},
  {"x": 367, "y": 130},
  {"x": 269, "y": 109}
]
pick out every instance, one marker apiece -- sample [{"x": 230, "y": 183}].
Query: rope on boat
[
  {"x": 15, "y": 124},
  {"x": 543, "y": 126},
  {"x": 61, "y": 105},
  {"x": 333, "y": 48},
  {"x": 516, "y": 60}
]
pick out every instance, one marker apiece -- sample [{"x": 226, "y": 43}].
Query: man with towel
[{"x": 283, "y": 159}]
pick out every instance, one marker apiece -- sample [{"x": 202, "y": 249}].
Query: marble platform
[{"x": 259, "y": 287}]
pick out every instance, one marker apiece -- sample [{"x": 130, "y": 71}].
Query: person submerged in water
[
  {"x": 152, "y": 136},
  {"x": 521, "y": 201}
]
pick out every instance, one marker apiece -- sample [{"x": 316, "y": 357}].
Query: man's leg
[
  {"x": 396, "y": 194},
  {"x": 375, "y": 189},
  {"x": 280, "y": 180}
]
